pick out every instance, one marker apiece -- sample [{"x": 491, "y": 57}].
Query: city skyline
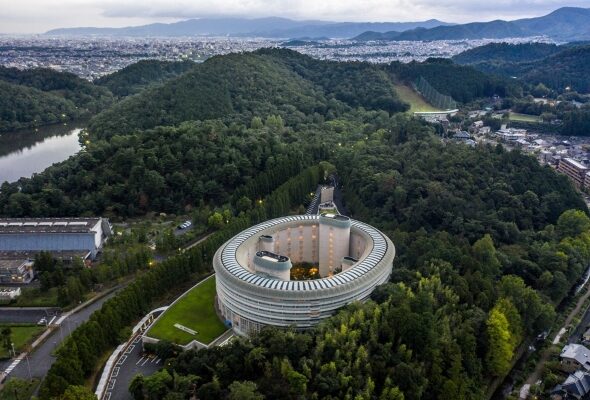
[{"x": 36, "y": 16}]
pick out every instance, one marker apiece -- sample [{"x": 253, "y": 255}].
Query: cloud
[{"x": 40, "y": 15}]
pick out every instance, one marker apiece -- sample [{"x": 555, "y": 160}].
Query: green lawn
[
  {"x": 417, "y": 103},
  {"x": 524, "y": 117},
  {"x": 196, "y": 311},
  {"x": 22, "y": 336}
]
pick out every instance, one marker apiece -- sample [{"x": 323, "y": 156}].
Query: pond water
[{"x": 27, "y": 151}]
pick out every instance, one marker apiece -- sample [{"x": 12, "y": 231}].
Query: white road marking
[
  {"x": 115, "y": 372},
  {"x": 140, "y": 360},
  {"x": 146, "y": 360},
  {"x": 121, "y": 360}
]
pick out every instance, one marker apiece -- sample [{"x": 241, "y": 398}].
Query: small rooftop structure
[{"x": 267, "y": 255}]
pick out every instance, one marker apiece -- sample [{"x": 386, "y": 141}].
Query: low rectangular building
[
  {"x": 16, "y": 270},
  {"x": 9, "y": 293},
  {"x": 54, "y": 234}
]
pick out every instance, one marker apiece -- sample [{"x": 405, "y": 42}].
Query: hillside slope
[
  {"x": 272, "y": 81},
  {"x": 564, "y": 24},
  {"x": 23, "y": 107},
  {"x": 564, "y": 66},
  {"x": 80, "y": 92},
  {"x": 136, "y": 77}
]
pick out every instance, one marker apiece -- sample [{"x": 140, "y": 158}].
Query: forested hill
[
  {"x": 462, "y": 83},
  {"x": 42, "y": 96},
  {"x": 22, "y": 107},
  {"x": 237, "y": 87},
  {"x": 241, "y": 86},
  {"x": 557, "y": 67},
  {"x": 507, "y": 52},
  {"x": 137, "y": 77},
  {"x": 67, "y": 85}
]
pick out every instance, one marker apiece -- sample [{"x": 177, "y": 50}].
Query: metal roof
[
  {"x": 230, "y": 263},
  {"x": 47, "y": 225}
]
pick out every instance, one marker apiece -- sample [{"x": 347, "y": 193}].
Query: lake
[{"x": 25, "y": 152}]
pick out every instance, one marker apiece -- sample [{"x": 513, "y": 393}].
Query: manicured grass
[
  {"x": 22, "y": 336},
  {"x": 417, "y": 103},
  {"x": 524, "y": 117},
  {"x": 196, "y": 311}
]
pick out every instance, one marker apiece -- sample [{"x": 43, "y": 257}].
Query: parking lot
[{"x": 131, "y": 363}]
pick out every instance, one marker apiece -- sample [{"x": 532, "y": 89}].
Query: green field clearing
[
  {"x": 22, "y": 336},
  {"x": 417, "y": 103},
  {"x": 196, "y": 311},
  {"x": 524, "y": 117}
]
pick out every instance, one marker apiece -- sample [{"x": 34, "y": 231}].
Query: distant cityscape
[{"x": 93, "y": 57}]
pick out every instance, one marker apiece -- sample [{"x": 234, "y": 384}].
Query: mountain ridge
[
  {"x": 271, "y": 27},
  {"x": 565, "y": 23}
]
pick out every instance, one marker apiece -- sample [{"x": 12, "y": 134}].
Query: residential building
[
  {"x": 576, "y": 386},
  {"x": 575, "y": 170},
  {"x": 254, "y": 288},
  {"x": 575, "y": 356}
]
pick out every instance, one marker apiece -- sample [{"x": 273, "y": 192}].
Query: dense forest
[
  {"x": 562, "y": 67},
  {"x": 485, "y": 249},
  {"x": 238, "y": 87},
  {"x": 23, "y": 107},
  {"x": 463, "y": 83},
  {"x": 488, "y": 241},
  {"x": 507, "y": 52},
  {"x": 142, "y": 74},
  {"x": 43, "y": 96}
]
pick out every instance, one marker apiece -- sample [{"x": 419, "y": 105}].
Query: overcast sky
[{"x": 36, "y": 16}]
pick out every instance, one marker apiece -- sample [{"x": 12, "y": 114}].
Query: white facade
[
  {"x": 327, "y": 194},
  {"x": 334, "y": 242},
  {"x": 249, "y": 301}
]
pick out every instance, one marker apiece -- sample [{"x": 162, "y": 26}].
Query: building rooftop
[
  {"x": 575, "y": 163},
  {"x": 577, "y": 352},
  {"x": 47, "y": 225}
]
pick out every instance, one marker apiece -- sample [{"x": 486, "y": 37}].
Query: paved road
[
  {"x": 41, "y": 358},
  {"x": 27, "y": 315},
  {"x": 576, "y": 336},
  {"x": 546, "y": 354},
  {"x": 131, "y": 363}
]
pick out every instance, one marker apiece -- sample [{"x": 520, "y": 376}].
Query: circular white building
[{"x": 253, "y": 270}]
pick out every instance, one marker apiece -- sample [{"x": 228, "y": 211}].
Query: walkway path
[{"x": 535, "y": 376}]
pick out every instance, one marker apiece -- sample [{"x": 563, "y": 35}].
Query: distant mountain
[
  {"x": 263, "y": 27},
  {"x": 567, "y": 24}
]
